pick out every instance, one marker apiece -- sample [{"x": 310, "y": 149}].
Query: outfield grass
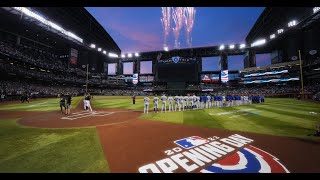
[
  {"x": 49, "y": 150},
  {"x": 50, "y": 104},
  {"x": 281, "y": 117}
]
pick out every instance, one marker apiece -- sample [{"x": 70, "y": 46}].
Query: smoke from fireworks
[
  {"x": 166, "y": 21},
  {"x": 177, "y": 14},
  {"x": 189, "y": 17}
]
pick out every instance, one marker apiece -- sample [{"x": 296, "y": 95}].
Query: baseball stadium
[{"x": 73, "y": 101}]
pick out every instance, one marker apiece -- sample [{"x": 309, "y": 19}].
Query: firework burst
[
  {"x": 177, "y": 14},
  {"x": 166, "y": 22},
  {"x": 189, "y": 17}
]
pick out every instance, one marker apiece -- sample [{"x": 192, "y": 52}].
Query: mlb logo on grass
[{"x": 191, "y": 142}]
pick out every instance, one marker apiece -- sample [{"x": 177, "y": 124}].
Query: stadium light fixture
[
  {"x": 258, "y": 42},
  {"x": 272, "y": 36},
  {"x": 280, "y": 31},
  {"x": 113, "y": 55},
  {"x": 104, "y": 52},
  {"x": 45, "y": 21},
  {"x": 129, "y": 55},
  {"x": 136, "y": 54},
  {"x": 99, "y": 49},
  {"x": 166, "y": 49},
  {"x": 221, "y": 47},
  {"x": 231, "y": 46},
  {"x": 123, "y": 56},
  {"x": 316, "y": 9},
  {"x": 292, "y": 23},
  {"x": 242, "y": 46},
  {"x": 92, "y": 46}
]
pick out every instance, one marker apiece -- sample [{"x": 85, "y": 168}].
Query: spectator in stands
[{"x": 2, "y": 97}]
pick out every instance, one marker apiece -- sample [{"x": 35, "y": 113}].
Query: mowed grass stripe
[
  {"x": 51, "y": 104},
  {"x": 49, "y": 150}
]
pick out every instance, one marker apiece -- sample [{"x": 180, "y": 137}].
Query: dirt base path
[
  {"x": 80, "y": 118},
  {"x": 134, "y": 145}
]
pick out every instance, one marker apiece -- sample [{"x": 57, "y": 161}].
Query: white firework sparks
[
  {"x": 177, "y": 14},
  {"x": 189, "y": 17},
  {"x": 166, "y": 22}
]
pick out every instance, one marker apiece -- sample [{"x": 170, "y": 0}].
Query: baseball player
[
  {"x": 155, "y": 103},
  {"x": 85, "y": 102},
  {"x": 146, "y": 104},
  {"x": 195, "y": 104},
  {"x": 198, "y": 102},
  {"x": 170, "y": 99},
  {"x": 186, "y": 99},
  {"x": 181, "y": 103},
  {"x": 190, "y": 102},
  {"x": 208, "y": 101},
  {"x": 88, "y": 98},
  {"x": 176, "y": 102},
  {"x": 164, "y": 103}
]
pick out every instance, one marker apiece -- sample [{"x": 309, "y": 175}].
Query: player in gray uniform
[
  {"x": 164, "y": 103},
  {"x": 155, "y": 103},
  {"x": 176, "y": 102},
  {"x": 170, "y": 99},
  {"x": 146, "y": 104}
]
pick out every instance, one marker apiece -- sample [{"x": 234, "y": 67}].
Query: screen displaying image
[
  {"x": 128, "y": 68},
  {"x": 112, "y": 69},
  {"x": 210, "y": 78},
  {"x": 224, "y": 76},
  {"x": 135, "y": 79},
  {"x": 145, "y": 67}
]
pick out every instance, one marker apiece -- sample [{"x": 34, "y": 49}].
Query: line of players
[{"x": 178, "y": 103}]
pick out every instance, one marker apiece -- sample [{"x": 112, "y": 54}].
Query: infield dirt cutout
[{"x": 133, "y": 145}]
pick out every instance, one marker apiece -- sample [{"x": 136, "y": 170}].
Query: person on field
[
  {"x": 133, "y": 99},
  {"x": 146, "y": 104},
  {"x": 62, "y": 103},
  {"x": 68, "y": 104}
]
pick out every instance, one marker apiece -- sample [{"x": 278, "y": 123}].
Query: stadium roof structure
[
  {"x": 194, "y": 52},
  {"x": 74, "y": 19},
  {"x": 273, "y": 19}
]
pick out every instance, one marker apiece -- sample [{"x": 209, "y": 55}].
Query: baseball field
[{"x": 118, "y": 137}]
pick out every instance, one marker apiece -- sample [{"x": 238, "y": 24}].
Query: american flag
[{"x": 224, "y": 75}]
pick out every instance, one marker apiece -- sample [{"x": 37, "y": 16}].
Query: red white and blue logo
[
  {"x": 247, "y": 160},
  {"x": 191, "y": 142},
  {"x": 232, "y": 154}
]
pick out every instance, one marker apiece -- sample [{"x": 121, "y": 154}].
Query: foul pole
[
  {"x": 87, "y": 78},
  {"x": 301, "y": 77}
]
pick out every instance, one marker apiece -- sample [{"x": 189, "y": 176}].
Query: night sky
[{"x": 140, "y": 29}]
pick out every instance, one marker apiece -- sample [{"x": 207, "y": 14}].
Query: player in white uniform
[
  {"x": 190, "y": 102},
  {"x": 146, "y": 104},
  {"x": 176, "y": 103},
  {"x": 170, "y": 99},
  {"x": 223, "y": 101},
  {"x": 195, "y": 104},
  {"x": 181, "y": 103},
  {"x": 155, "y": 104},
  {"x": 164, "y": 103},
  {"x": 208, "y": 102},
  {"x": 198, "y": 102},
  {"x": 186, "y": 99}
]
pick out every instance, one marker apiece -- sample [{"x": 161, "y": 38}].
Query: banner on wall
[{"x": 135, "y": 79}]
